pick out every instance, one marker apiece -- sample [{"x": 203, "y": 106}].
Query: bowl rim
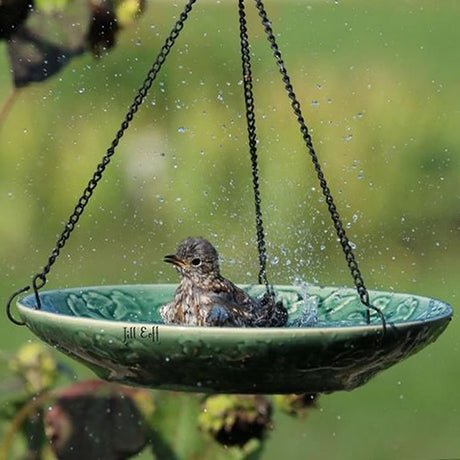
[{"x": 27, "y": 312}]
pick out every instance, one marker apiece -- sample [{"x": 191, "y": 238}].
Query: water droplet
[
  {"x": 315, "y": 103},
  {"x": 182, "y": 129}
]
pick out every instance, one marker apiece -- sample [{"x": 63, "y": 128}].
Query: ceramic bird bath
[{"x": 117, "y": 332}]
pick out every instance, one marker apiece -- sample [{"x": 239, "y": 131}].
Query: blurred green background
[{"x": 378, "y": 82}]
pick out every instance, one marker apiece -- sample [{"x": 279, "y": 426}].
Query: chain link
[
  {"x": 341, "y": 234},
  {"x": 252, "y": 139}
]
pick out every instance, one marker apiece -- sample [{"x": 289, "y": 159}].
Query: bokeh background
[{"x": 378, "y": 83}]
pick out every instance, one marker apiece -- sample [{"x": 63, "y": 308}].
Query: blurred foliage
[
  {"x": 296, "y": 404},
  {"x": 36, "y": 367},
  {"x": 235, "y": 420},
  {"x": 44, "y": 35},
  {"x": 378, "y": 83},
  {"x": 102, "y": 420},
  {"x": 91, "y": 418}
]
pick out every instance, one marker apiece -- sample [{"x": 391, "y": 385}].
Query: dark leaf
[
  {"x": 33, "y": 432},
  {"x": 12, "y": 14},
  {"x": 41, "y": 43},
  {"x": 46, "y": 42},
  {"x": 103, "y": 27},
  {"x": 97, "y": 420},
  {"x": 233, "y": 420}
]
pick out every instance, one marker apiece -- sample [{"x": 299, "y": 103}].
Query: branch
[
  {"x": 6, "y": 107},
  {"x": 18, "y": 420}
]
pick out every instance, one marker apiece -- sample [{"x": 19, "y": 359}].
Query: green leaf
[{"x": 49, "y": 6}]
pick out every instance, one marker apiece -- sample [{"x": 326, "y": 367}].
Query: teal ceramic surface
[{"x": 117, "y": 332}]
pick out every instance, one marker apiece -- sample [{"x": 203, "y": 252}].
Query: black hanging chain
[
  {"x": 40, "y": 279},
  {"x": 252, "y": 138},
  {"x": 341, "y": 234}
]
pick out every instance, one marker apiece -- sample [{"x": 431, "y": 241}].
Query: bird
[{"x": 205, "y": 298}]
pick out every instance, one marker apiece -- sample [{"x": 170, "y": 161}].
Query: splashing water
[{"x": 309, "y": 313}]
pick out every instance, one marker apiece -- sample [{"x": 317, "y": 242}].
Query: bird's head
[{"x": 195, "y": 258}]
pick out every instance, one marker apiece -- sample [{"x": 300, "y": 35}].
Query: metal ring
[{"x": 8, "y": 306}]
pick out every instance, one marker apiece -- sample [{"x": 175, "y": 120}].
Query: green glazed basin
[{"x": 117, "y": 332}]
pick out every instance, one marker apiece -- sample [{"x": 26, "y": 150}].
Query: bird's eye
[{"x": 196, "y": 262}]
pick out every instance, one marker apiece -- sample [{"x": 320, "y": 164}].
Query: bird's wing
[
  {"x": 227, "y": 312},
  {"x": 233, "y": 293}
]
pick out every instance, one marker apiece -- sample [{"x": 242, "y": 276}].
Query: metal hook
[
  {"x": 8, "y": 306},
  {"x": 380, "y": 314},
  {"x": 365, "y": 300},
  {"x": 38, "y": 282}
]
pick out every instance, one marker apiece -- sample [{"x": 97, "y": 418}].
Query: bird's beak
[{"x": 173, "y": 259}]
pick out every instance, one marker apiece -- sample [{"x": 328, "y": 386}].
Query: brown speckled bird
[{"x": 205, "y": 298}]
